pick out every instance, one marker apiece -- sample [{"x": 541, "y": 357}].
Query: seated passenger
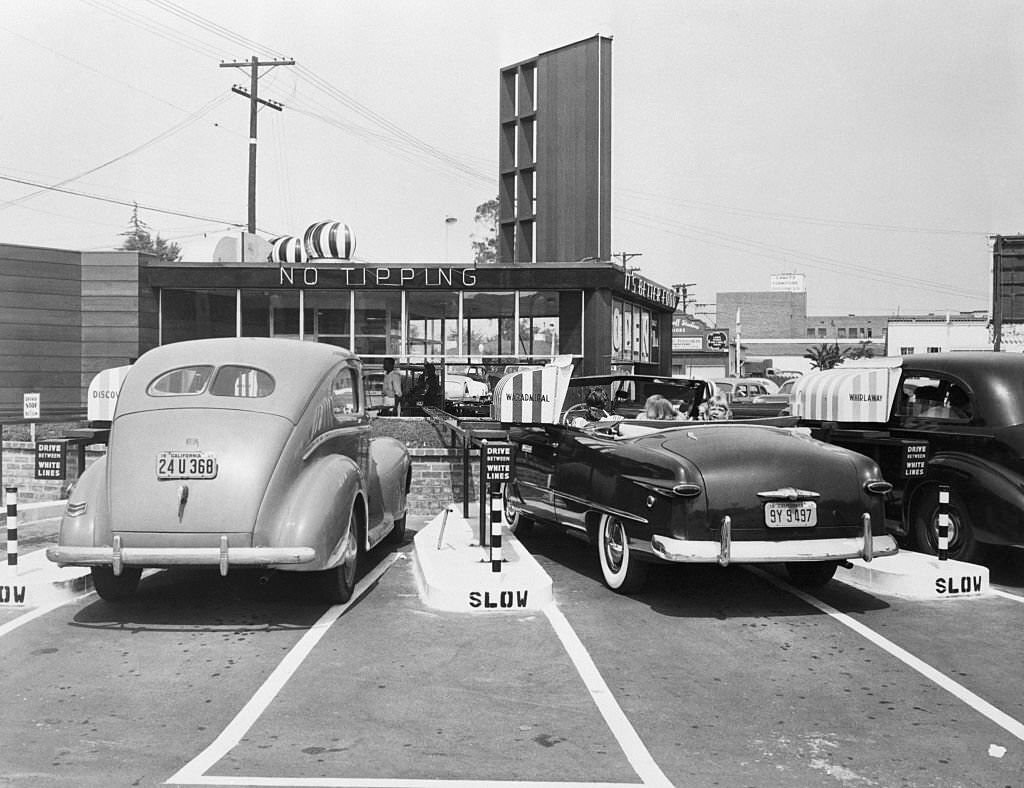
[
  {"x": 658, "y": 407},
  {"x": 928, "y": 402},
  {"x": 959, "y": 403},
  {"x": 595, "y": 413}
]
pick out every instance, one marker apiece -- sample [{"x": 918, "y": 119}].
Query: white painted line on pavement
[
  {"x": 1002, "y": 719},
  {"x": 42, "y": 610},
  {"x": 344, "y": 782},
  {"x": 636, "y": 752},
  {"x": 192, "y": 772},
  {"x": 1007, "y": 595}
]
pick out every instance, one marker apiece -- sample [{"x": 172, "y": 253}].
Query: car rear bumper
[
  {"x": 223, "y": 556},
  {"x": 726, "y": 551}
]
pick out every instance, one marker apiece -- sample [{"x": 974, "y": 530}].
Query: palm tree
[{"x": 826, "y": 356}]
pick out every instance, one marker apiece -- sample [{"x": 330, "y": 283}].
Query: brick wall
[{"x": 437, "y": 476}]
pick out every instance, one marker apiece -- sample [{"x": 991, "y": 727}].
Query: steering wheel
[
  {"x": 572, "y": 412},
  {"x": 608, "y": 426}
]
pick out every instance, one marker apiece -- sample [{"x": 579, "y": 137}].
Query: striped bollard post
[
  {"x": 12, "y": 526},
  {"x": 496, "y": 518},
  {"x": 943, "y": 522}
]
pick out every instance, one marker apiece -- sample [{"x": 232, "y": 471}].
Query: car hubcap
[
  {"x": 955, "y": 529},
  {"x": 614, "y": 545}
]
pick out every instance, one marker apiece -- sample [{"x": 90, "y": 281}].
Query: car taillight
[
  {"x": 76, "y": 509},
  {"x": 878, "y": 487},
  {"x": 687, "y": 490}
]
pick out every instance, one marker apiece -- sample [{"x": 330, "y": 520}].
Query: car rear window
[
  {"x": 184, "y": 380},
  {"x": 238, "y": 381},
  {"x": 231, "y": 380}
]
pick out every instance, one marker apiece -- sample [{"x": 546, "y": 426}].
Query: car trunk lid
[
  {"x": 783, "y": 473},
  {"x": 192, "y": 471}
]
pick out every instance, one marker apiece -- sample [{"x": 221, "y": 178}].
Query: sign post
[
  {"x": 495, "y": 467},
  {"x": 52, "y": 459},
  {"x": 31, "y": 409}
]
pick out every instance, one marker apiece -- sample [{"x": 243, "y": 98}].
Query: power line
[
  {"x": 129, "y": 203},
  {"x": 730, "y": 240},
  {"x": 204, "y": 110},
  {"x": 800, "y": 219}
]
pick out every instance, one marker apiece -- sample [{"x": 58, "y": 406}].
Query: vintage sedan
[
  {"x": 238, "y": 453},
  {"x": 933, "y": 420},
  {"x": 696, "y": 491}
]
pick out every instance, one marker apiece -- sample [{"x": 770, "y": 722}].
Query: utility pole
[
  {"x": 254, "y": 65},
  {"x": 682, "y": 290},
  {"x": 625, "y": 257}
]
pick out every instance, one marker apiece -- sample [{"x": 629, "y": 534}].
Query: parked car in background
[
  {"x": 749, "y": 405},
  {"x": 741, "y": 393},
  {"x": 237, "y": 453},
  {"x": 933, "y": 419},
  {"x": 466, "y": 396},
  {"x": 694, "y": 491}
]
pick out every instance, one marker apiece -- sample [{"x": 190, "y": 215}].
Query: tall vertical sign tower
[
  {"x": 555, "y": 156},
  {"x": 1007, "y": 290}
]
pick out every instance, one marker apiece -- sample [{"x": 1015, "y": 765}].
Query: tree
[
  {"x": 864, "y": 350},
  {"x": 826, "y": 356},
  {"x": 485, "y": 248},
  {"x": 138, "y": 238}
]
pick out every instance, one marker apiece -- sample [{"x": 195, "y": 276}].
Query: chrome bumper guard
[
  {"x": 727, "y": 551},
  {"x": 117, "y": 556}
]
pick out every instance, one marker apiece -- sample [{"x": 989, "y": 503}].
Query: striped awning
[{"x": 858, "y": 394}]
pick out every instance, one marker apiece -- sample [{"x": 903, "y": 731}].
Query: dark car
[
  {"x": 696, "y": 491},
  {"x": 933, "y": 419}
]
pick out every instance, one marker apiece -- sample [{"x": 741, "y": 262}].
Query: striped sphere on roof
[
  {"x": 287, "y": 249},
  {"x": 329, "y": 239}
]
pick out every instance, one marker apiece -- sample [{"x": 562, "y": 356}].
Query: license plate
[
  {"x": 790, "y": 514},
  {"x": 186, "y": 465}
]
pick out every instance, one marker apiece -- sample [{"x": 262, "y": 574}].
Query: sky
[{"x": 874, "y": 147}]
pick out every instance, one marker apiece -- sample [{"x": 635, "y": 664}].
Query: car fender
[
  {"x": 388, "y": 485},
  {"x": 90, "y": 527},
  {"x": 993, "y": 492},
  {"x": 316, "y": 511}
]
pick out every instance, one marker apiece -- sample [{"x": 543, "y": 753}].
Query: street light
[{"x": 448, "y": 222}]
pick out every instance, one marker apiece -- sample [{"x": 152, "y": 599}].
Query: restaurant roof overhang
[{"x": 344, "y": 274}]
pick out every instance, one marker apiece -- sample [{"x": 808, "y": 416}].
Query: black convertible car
[{"x": 695, "y": 491}]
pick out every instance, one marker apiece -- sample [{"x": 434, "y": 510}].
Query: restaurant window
[
  {"x": 197, "y": 314},
  {"x": 378, "y": 317},
  {"x": 538, "y": 323},
  {"x": 433, "y": 323},
  {"x": 489, "y": 323},
  {"x": 255, "y": 313},
  {"x": 841, "y": 333},
  {"x": 332, "y": 316},
  {"x": 284, "y": 316}
]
